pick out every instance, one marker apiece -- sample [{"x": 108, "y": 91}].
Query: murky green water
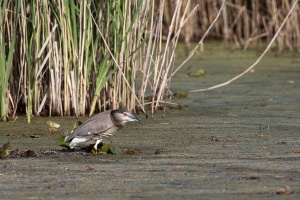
[{"x": 237, "y": 142}]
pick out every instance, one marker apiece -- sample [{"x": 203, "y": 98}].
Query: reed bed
[
  {"x": 243, "y": 23},
  {"x": 80, "y": 57}
]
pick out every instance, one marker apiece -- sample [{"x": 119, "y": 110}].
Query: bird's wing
[{"x": 96, "y": 124}]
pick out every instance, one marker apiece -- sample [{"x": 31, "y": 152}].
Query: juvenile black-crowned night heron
[{"x": 100, "y": 125}]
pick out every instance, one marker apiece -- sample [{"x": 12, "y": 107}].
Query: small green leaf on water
[
  {"x": 53, "y": 126},
  {"x": 61, "y": 142},
  {"x": 200, "y": 72},
  {"x": 4, "y": 150},
  {"x": 108, "y": 149},
  {"x": 104, "y": 148},
  {"x": 115, "y": 150}
]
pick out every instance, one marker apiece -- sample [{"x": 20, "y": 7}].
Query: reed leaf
[{"x": 6, "y": 60}]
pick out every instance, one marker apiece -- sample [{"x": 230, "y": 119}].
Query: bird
[{"x": 104, "y": 124}]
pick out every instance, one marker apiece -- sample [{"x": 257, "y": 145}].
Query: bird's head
[{"x": 123, "y": 116}]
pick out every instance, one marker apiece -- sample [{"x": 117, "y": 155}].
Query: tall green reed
[
  {"x": 69, "y": 69},
  {"x": 8, "y": 20},
  {"x": 88, "y": 56}
]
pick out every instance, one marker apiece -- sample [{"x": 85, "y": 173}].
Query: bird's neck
[{"x": 117, "y": 122}]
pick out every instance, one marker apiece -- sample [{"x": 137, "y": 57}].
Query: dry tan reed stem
[
  {"x": 114, "y": 59},
  {"x": 42, "y": 104},
  {"x": 178, "y": 26},
  {"x": 47, "y": 41},
  {"x": 200, "y": 42},
  {"x": 72, "y": 86},
  {"x": 160, "y": 85},
  {"x": 145, "y": 69}
]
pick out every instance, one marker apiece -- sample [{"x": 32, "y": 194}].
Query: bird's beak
[{"x": 135, "y": 118}]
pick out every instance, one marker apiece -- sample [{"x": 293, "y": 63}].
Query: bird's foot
[{"x": 96, "y": 144}]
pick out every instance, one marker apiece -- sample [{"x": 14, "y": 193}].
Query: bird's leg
[{"x": 97, "y": 142}]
